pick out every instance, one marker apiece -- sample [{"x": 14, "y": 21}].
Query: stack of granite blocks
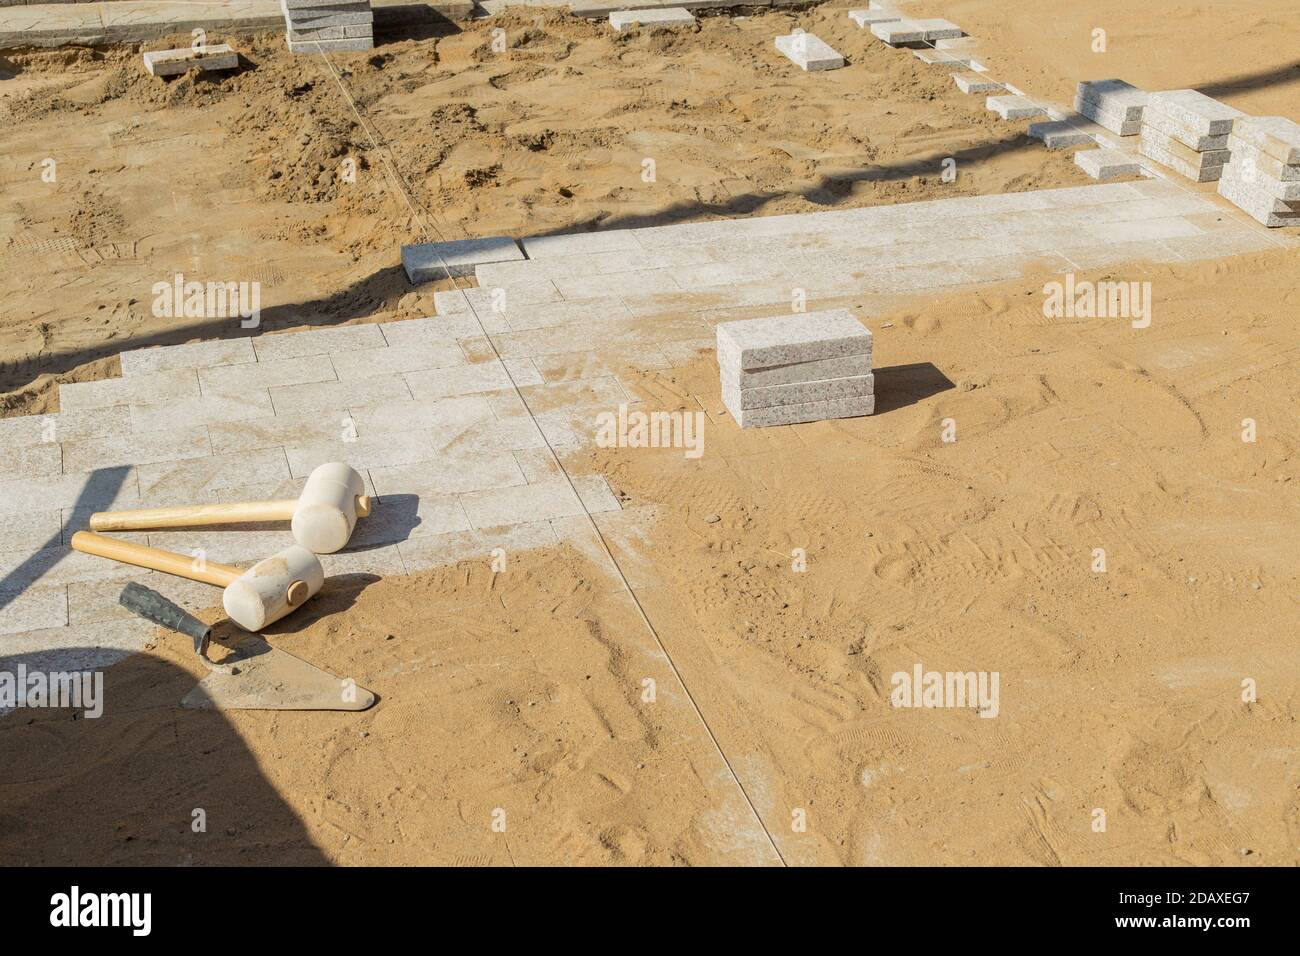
[
  {"x": 328, "y": 26},
  {"x": 1112, "y": 104},
  {"x": 1262, "y": 177},
  {"x": 1188, "y": 132},
  {"x": 796, "y": 368}
]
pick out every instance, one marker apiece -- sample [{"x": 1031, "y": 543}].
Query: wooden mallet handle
[
  {"x": 183, "y": 516},
  {"x": 155, "y": 559}
]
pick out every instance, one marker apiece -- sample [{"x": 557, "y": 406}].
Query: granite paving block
[
  {"x": 240, "y": 379},
  {"x": 280, "y": 346},
  {"x": 943, "y": 61},
  {"x": 622, "y": 20},
  {"x": 91, "y": 602},
  {"x": 209, "y": 59},
  {"x": 1193, "y": 171},
  {"x": 896, "y": 32},
  {"x": 340, "y": 32},
  {"x": 63, "y": 426},
  {"x": 369, "y": 363},
  {"x": 378, "y": 450},
  {"x": 145, "y": 388},
  {"x": 459, "y": 380},
  {"x": 478, "y": 545},
  {"x": 290, "y": 429},
  {"x": 435, "y": 330},
  {"x": 736, "y": 378},
  {"x": 32, "y": 462},
  {"x": 427, "y": 261},
  {"x": 1260, "y": 207},
  {"x": 1114, "y": 96},
  {"x": 1244, "y": 172},
  {"x": 1195, "y": 158},
  {"x": 1014, "y": 107},
  {"x": 93, "y": 490},
  {"x": 92, "y": 646},
  {"x": 320, "y": 396},
  {"x": 164, "y": 483},
  {"x": 1107, "y": 163},
  {"x": 1275, "y": 136},
  {"x": 31, "y": 529},
  {"x": 203, "y": 410},
  {"x": 1249, "y": 156},
  {"x": 356, "y": 45},
  {"x": 31, "y": 609},
  {"x": 521, "y": 503},
  {"x": 785, "y": 339},
  {"x": 191, "y": 355},
  {"x": 865, "y": 18},
  {"x": 1201, "y": 114},
  {"x": 1114, "y": 122},
  {"x": 223, "y": 545},
  {"x": 797, "y": 393},
  {"x": 1183, "y": 133},
  {"x": 384, "y": 561},
  {"x": 976, "y": 83},
  {"x": 353, "y": 15},
  {"x": 1060, "y": 134},
  {"x": 136, "y": 448},
  {"x": 405, "y": 516},
  {"x": 937, "y": 29},
  {"x": 596, "y": 495},
  {"x": 628, "y": 533},
  {"x": 580, "y": 244},
  {"x": 452, "y": 415},
  {"x": 454, "y": 471},
  {"x": 807, "y": 412}
]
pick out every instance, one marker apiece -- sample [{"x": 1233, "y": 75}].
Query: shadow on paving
[{"x": 123, "y": 788}]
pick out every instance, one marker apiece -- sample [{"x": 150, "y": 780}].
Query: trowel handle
[{"x": 155, "y": 559}]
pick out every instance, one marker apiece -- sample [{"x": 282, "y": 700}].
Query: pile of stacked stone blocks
[
  {"x": 797, "y": 368},
  {"x": 1112, "y": 104},
  {"x": 328, "y": 26},
  {"x": 1188, "y": 132},
  {"x": 1262, "y": 177}
]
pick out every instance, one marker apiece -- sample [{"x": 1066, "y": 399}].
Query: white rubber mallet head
[
  {"x": 328, "y": 507},
  {"x": 272, "y": 588}
]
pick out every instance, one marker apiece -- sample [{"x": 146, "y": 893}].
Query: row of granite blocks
[
  {"x": 456, "y": 463},
  {"x": 315, "y": 26}
]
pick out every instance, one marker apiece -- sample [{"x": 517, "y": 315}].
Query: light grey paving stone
[
  {"x": 222, "y": 545},
  {"x": 522, "y": 503},
  {"x": 1183, "y": 133},
  {"x": 478, "y": 545},
  {"x": 449, "y": 415},
  {"x": 296, "y": 429},
  {"x": 1193, "y": 171},
  {"x": 895, "y": 32},
  {"x": 1203, "y": 115},
  {"x": 937, "y": 28},
  {"x": 435, "y": 330},
  {"x": 191, "y": 355},
  {"x": 329, "y": 16},
  {"x": 92, "y": 646},
  {"x": 1248, "y": 156},
  {"x": 807, "y": 412},
  {"x": 1061, "y": 134},
  {"x": 622, "y": 20},
  {"x": 450, "y": 472},
  {"x": 546, "y": 314},
  {"x": 209, "y": 59},
  {"x": 1113, "y": 122},
  {"x": 523, "y": 372},
  {"x": 849, "y": 365},
  {"x": 36, "y": 529},
  {"x": 1259, "y": 206},
  {"x": 461, "y": 380},
  {"x": 580, "y": 533},
  {"x": 596, "y": 495},
  {"x": 1195, "y": 158},
  {"x": 537, "y": 464},
  {"x": 580, "y": 244},
  {"x": 135, "y": 448},
  {"x": 31, "y": 462},
  {"x": 369, "y": 363},
  {"x": 798, "y": 393},
  {"x": 203, "y": 410},
  {"x": 1114, "y": 96},
  {"x": 32, "y": 608},
  {"x": 384, "y": 561},
  {"x": 240, "y": 379},
  {"x": 1107, "y": 163},
  {"x": 331, "y": 46},
  {"x": 629, "y": 536},
  {"x": 1014, "y": 107},
  {"x": 976, "y": 83},
  {"x": 404, "y": 516},
  {"x": 865, "y": 18},
  {"x": 809, "y": 52},
  {"x": 63, "y": 426},
  {"x": 280, "y": 346},
  {"x": 195, "y": 479},
  {"x": 942, "y": 60},
  {"x": 1248, "y": 174},
  {"x": 93, "y": 490},
  {"x": 142, "y": 389},
  {"x": 427, "y": 261},
  {"x": 366, "y": 452},
  {"x": 301, "y": 6},
  {"x": 629, "y": 283},
  {"x": 55, "y": 567},
  {"x": 1275, "y": 136},
  {"x": 786, "y": 339},
  {"x": 322, "y": 396},
  {"x": 473, "y": 311}
]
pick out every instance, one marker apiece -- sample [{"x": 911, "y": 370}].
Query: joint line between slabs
[{"x": 641, "y": 611}]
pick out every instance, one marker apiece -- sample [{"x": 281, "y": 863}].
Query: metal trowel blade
[{"x": 258, "y": 676}]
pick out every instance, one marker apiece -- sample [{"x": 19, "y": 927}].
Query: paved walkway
[{"x": 431, "y": 416}]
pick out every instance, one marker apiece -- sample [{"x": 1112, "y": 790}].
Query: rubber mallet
[
  {"x": 253, "y": 599},
  {"x": 322, "y": 517}
]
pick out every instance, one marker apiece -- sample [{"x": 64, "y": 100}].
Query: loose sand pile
[{"x": 522, "y": 693}]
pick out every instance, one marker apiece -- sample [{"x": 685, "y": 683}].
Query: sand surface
[{"x": 520, "y": 697}]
